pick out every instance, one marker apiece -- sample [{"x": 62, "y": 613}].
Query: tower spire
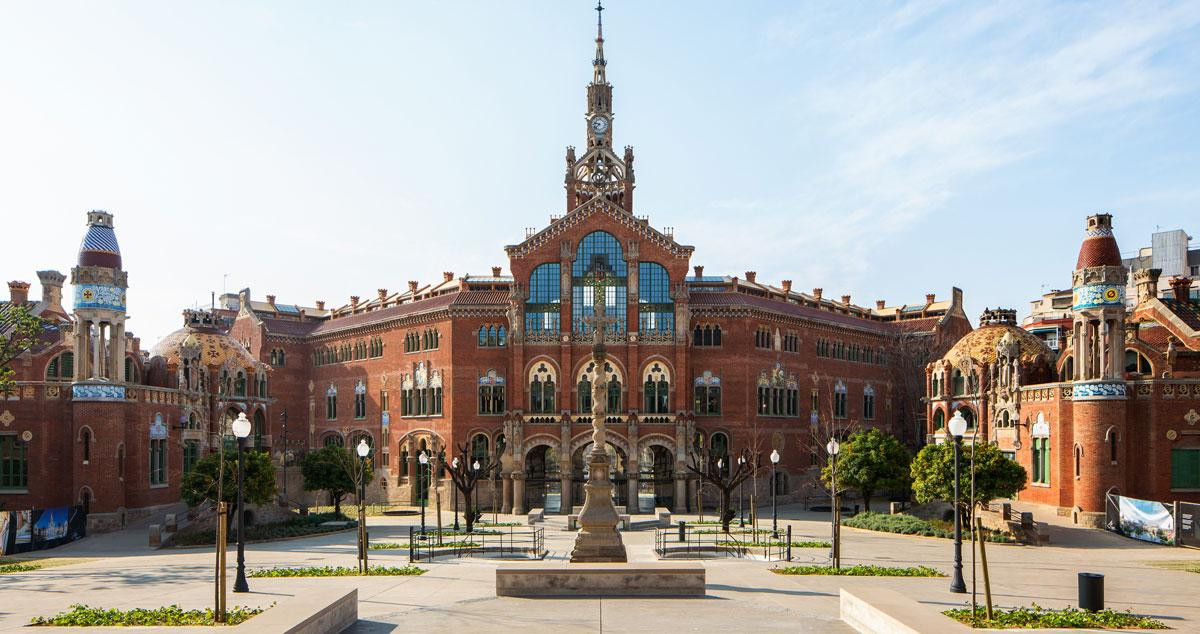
[{"x": 598, "y": 63}]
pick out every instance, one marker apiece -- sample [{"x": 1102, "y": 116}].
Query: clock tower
[{"x": 599, "y": 172}]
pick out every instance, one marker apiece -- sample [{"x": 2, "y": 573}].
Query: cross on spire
[{"x": 598, "y": 63}]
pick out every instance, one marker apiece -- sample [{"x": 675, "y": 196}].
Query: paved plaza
[{"x": 118, "y": 570}]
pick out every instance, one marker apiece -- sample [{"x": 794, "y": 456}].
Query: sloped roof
[
  {"x": 786, "y": 308},
  {"x": 979, "y": 345}
]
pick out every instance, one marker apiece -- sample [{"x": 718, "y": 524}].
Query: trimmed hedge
[
  {"x": 339, "y": 571},
  {"x": 87, "y": 616},
  {"x": 1037, "y": 617},
  {"x": 298, "y": 526},
  {"x": 860, "y": 571},
  {"x": 778, "y": 544},
  {"x": 18, "y": 567},
  {"x": 908, "y": 525}
]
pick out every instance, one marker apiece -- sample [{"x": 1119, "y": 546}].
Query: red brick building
[{"x": 1114, "y": 411}]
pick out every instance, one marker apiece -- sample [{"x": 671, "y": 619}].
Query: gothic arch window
[
  {"x": 868, "y": 403},
  {"x": 707, "y": 392},
  {"x": 360, "y": 400},
  {"x": 85, "y": 439},
  {"x": 656, "y": 309},
  {"x": 479, "y": 449},
  {"x": 584, "y": 387},
  {"x": 657, "y": 389},
  {"x": 1111, "y": 436},
  {"x": 331, "y": 402},
  {"x": 959, "y": 382},
  {"x": 1078, "y": 458},
  {"x": 333, "y": 439},
  {"x": 61, "y": 368},
  {"x": 131, "y": 371},
  {"x": 542, "y": 386},
  {"x": 260, "y": 427},
  {"x": 491, "y": 393},
  {"x": 1137, "y": 363},
  {"x": 935, "y": 384},
  {"x": 839, "y": 400},
  {"x": 706, "y": 335},
  {"x": 598, "y": 252},
  {"x": 239, "y": 386},
  {"x": 719, "y": 450},
  {"x": 1068, "y": 371},
  {"x": 778, "y": 393},
  {"x": 542, "y": 309},
  {"x": 939, "y": 419}
]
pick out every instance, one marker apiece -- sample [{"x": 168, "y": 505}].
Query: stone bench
[
  {"x": 882, "y": 611},
  {"x": 664, "y": 517},
  {"x": 555, "y": 579},
  {"x": 535, "y": 516}
]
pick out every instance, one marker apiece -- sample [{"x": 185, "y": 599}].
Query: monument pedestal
[
  {"x": 598, "y": 539},
  {"x": 548, "y": 579}
]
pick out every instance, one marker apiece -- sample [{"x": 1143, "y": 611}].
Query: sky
[{"x": 316, "y": 150}]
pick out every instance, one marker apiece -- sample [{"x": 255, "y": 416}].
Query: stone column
[
  {"x": 506, "y": 493},
  {"x": 518, "y": 493},
  {"x": 96, "y": 346},
  {"x": 681, "y": 493},
  {"x": 568, "y": 502},
  {"x": 116, "y": 353},
  {"x": 410, "y": 476},
  {"x": 631, "y": 473}
]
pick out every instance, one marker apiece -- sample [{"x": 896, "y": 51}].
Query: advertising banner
[
  {"x": 1188, "y": 533},
  {"x": 38, "y": 529},
  {"x": 1144, "y": 519},
  {"x": 4, "y": 524}
]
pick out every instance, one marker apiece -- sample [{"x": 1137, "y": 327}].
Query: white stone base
[{"x": 600, "y": 580}]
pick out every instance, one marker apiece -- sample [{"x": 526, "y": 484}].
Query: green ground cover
[
  {"x": 18, "y": 567},
  {"x": 1038, "y": 618},
  {"x": 860, "y": 571},
  {"x": 338, "y": 571},
  {"x": 910, "y": 525},
  {"x": 83, "y": 615}
]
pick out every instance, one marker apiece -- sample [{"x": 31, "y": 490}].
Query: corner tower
[
  {"x": 599, "y": 172},
  {"x": 100, "y": 285},
  {"x": 1099, "y": 390}
]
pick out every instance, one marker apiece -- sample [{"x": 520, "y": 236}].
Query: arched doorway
[
  {"x": 656, "y": 481},
  {"x": 543, "y": 484},
  {"x": 616, "y": 474},
  {"x": 424, "y": 472}
]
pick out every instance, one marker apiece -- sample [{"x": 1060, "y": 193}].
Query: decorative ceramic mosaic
[
  {"x": 99, "y": 296},
  {"x": 1098, "y": 391},
  {"x": 1099, "y": 295},
  {"x": 97, "y": 392},
  {"x": 158, "y": 430}
]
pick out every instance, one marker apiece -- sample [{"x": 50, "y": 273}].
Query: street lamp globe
[
  {"x": 774, "y": 456},
  {"x": 454, "y": 463},
  {"x": 241, "y": 425},
  {"x": 720, "y": 463},
  {"x": 958, "y": 424},
  {"x": 741, "y": 459},
  {"x": 423, "y": 459},
  {"x": 475, "y": 466},
  {"x": 833, "y": 447},
  {"x": 363, "y": 448}
]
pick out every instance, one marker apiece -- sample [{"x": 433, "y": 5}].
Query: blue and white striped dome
[{"x": 99, "y": 247}]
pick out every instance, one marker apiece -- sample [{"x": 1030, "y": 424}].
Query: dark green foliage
[
  {"x": 19, "y": 332},
  {"x": 871, "y": 461},
  {"x": 331, "y": 571},
  {"x": 1038, "y": 617},
  {"x": 18, "y": 567},
  {"x": 298, "y": 526},
  {"x": 909, "y": 525},
  {"x": 995, "y": 476},
  {"x": 83, "y": 615},
  {"x": 200, "y": 484},
  {"x": 860, "y": 571},
  {"x": 335, "y": 470}
]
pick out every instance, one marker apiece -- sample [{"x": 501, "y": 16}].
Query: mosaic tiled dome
[
  {"x": 979, "y": 345},
  {"x": 215, "y": 347},
  {"x": 99, "y": 246},
  {"x": 1099, "y": 247}
]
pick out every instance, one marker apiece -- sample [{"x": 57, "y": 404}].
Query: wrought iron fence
[
  {"x": 500, "y": 541},
  {"x": 688, "y": 541}
]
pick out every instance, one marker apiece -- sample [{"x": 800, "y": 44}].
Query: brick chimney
[
  {"x": 699, "y": 269},
  {"x": 354, "y": 301},
  {"x": 271, "y": 299},
  {"x": 750, "y": 275},
  {"x": 320, "y": 304},
  {"x": 735, "y": 281},
  {"x": 1180, "y": 285},
  {"x": 496, "y": 271},
  {"x": 18, "y": 291},
  {"x": 52, "y": 285},
  {"x": 382, "y": 294},
  {"x": 787, "y": 286},
  {"x": 412, "y": 287},
  {"x": 1146, "y": 283},
  {"x": 817, "y": 293},
  {"x": 930, "y": 298},
  {"x": 880, "y": 304},
  {"x": 846, "y": 299}
]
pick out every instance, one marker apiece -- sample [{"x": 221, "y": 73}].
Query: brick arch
[
  {"x": 91, "y": 496},
  {"x": 542, "y": 358},
  {"x": 583, "y": 438},
  {"x": 619, "y": 367},
  {"x": 660, "y": 439},
  {"x": 666, "y": 363},
  {"x": 79, "y": 436}
]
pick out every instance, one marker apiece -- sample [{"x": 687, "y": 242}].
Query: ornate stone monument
[{"x": 598, "y": 539}]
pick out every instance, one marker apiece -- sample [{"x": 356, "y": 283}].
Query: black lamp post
[
  {"x": 958, "y": 427},
  {"x": 283, "y": 432},
  {"x": 241, "y": 429},
  {"x": 362, "y": 449},
  {"x": 741, "y": 490},
  {"x": 454, "y": 466},
  {"x": 421, "y": 481},
  {"x": 774, "y": 508},
  {"x": 835, "y": 510},
  {"x": 476, "y": 517}
]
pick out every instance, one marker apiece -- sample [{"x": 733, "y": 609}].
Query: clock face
[{"x": 599, "y": 124}]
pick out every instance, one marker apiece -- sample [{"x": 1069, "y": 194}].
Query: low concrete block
[
  {"x": 883, "y": 611},
  {"x": 536, "y": 515},
  {"x": 573, "y": 522},
  {"x": 623, "y": 522},
  {"x": 664, "y": 517},
  {"x": 171, "y": 524},
  {"x": 600, "y": 580},
  {"x": 156, "y": 536}
]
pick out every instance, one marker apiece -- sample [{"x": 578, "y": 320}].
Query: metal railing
[
  {"x": 500, "y": 541},
  {"x": 688, "y": 542}
]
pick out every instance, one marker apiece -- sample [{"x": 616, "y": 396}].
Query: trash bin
[
  {"x": 682, "y": 530},
  {"x": 1091, "y": 591}
]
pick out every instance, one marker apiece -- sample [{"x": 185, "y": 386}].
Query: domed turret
[
  {"x": 99, "y": 246},
  {"x": 1099, "y": 247}
]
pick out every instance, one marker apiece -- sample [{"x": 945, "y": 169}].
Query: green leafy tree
[
  {"x": 200, "y": 484},
  {"x": 995, "y": 475},
  {"x": 335, "y": 470},
  {"x": 19, "y": 333},
  {"x": 871, "y": 461}
]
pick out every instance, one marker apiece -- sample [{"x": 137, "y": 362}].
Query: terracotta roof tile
[
  {"x": 787, "y": 308},
  {"x": 1187, "y": 310}
]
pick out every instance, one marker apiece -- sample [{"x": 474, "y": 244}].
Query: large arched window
[
  {"x": 656, "y": 309},
  {"x": 939, "y": 419},
  {"x": 960, "y": 383},
  {"x": 657, "y": 389},
  {"x": 719, "y": 450},
  {"x": 1136, "y": 363},
  {"x": 708, "y": 394},
  {"x": 61, "y": 368},
  {"x": 541, "y": 390},
  {"x": 598, "y": 252},
  {"x": 479, "y": 449},
  {"x": 543, "y": 306},
  {"x": 584, "y": 385}
]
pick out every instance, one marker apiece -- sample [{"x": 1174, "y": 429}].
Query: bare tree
[
  {"x": 466, "y": 476},
  {"x": 908, "y": 352},
  {"x": 726, "y": 477}
]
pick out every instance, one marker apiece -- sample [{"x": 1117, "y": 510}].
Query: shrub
[
  {"x": 1038, "y": 617},
  {"x": 860, "y": 571},
  {"x": 909, "y": 525},
  {"x": 778, "y": 544},
  {"x": 83, "y": 615},
  {"x": 297, "y": 526},
  {"x": 339, "y": 571},
  {"x": 18, "y": 567}
]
